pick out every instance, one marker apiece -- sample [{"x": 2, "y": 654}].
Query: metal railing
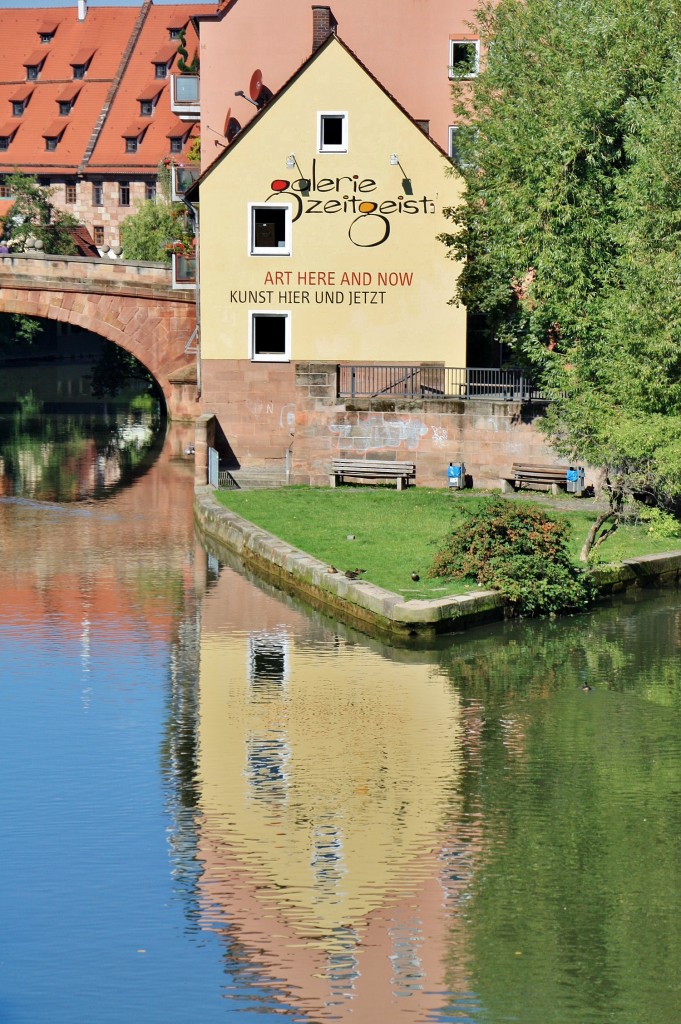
[{"x": 424, "y": 382}]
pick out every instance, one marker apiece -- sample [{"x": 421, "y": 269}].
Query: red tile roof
[
  {"x": 103, "y": 35},
  {"x": 109, "y": 156}
]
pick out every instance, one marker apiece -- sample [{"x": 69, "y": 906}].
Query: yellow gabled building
[{"x": 319, "y": 243}]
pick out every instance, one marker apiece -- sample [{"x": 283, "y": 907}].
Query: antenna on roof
[{"x": 245, "y": 97}]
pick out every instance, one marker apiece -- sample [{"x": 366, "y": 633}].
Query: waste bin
[
  {"x": 575, "y": 480},
  {"x": 456, "y": 475}
]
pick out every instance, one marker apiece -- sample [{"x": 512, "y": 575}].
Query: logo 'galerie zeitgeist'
[{"x": 350, "y": 194}]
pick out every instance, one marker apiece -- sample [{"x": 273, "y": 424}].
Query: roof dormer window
[
  {"x": 52, "y": 135},
  {"x": 133, "y": 137},
  {"x": 163, "y": 59},
  {"x": 34, "y": 65},
  {"x": 67, "y": 98},
  {"x": 18, "y": 107},
  {"x": 46, "y": 32},
  {"x": 178, "y": 137},
  {"x": 148, "y": 98},
  {"x": 7, "y": 133},
  {"x": 81, "y": 62}
]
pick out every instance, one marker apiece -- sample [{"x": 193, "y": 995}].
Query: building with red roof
[{"x": 84, "y": 104}]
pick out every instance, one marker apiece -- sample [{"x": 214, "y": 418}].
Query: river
[{"x": 219, "y": 805}]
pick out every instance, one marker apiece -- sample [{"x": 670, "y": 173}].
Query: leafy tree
[
  {"x": 33, "y": 214},
  {"x": 570, "y": 151},
  {"x": 15, "y": 328},
  {"x": 146, "y": 234}
]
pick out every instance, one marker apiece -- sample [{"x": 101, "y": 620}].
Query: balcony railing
[
  {"x": 424, "y": 382},
  {"x": 185, "y": 97}
]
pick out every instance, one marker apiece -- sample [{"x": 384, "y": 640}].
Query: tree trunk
[{"x": 593, "y": 533}]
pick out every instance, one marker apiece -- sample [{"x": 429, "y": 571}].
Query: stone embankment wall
[{"x": 380, "y": 612}]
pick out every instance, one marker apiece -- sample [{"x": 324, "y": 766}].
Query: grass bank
[{"x": 396, "y": 534}]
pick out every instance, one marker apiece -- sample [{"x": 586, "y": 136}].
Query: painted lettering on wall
[
  {"x": 370, "y": 225},
  {"x": 377, "y": 433},
  {"x": 329, "y": 287}
]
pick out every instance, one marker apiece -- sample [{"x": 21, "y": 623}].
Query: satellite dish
[
  {"x": 232, "y": 130},
  {"x": 255, "y": 88}
]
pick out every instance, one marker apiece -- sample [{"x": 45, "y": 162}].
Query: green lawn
[{"x": 397, "y": 533}]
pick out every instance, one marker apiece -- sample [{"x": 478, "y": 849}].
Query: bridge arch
[{"x": 130, "y": 304}]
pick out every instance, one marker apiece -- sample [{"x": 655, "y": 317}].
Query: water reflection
[
  {"x": 69, "y": 456},
  {"x": 224, "y": 806},
  {"x": 326, "y": 777}
]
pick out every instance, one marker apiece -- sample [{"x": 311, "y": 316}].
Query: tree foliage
[
  {"x": 570, "y": 229},
  {"x": 33, "y": 214},
  {"x": 148, "y": 233}
]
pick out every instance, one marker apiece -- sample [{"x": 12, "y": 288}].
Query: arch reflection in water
[{"x": 326, "y": 811}]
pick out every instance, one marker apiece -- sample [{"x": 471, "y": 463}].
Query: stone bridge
[{"x": 131, "y": 304}]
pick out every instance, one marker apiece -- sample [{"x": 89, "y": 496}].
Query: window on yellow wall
[
  {"x": 270, "y": 336},
  {"x": 269, "y": 229},
  {"x": 332, "y": 132}
]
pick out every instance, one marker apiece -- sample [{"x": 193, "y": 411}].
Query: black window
[
  {"x": 4, "y": 142},
  {"x": 97, "y": 193},
  {"x": 51, "y": 143},
  {"x": 18, "y": 107},
  {"x": 161, "y": 70},
  {"x": 124, "y": 193},
  {"x": 131, "y": 145},
  {"x": 150, "y": 191},
  {"x": 79, "y": 70},
  {"x": 32, "y": 71},
  {"x": 176, "y": 145},
  {"x": 269, "y": 334},
  {"x": 64, "y": 108},
  {"x": 146, "y": 108},
  {"x": 332, "y": 130}
]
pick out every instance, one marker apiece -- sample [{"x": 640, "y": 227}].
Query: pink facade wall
[{"x": 404, "y": 44}]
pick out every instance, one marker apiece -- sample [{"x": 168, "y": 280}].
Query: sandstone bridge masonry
[{"x": 131, "y": 304}]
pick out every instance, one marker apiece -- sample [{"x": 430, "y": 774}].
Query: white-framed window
[
  {"x": 464, "y": 58},
  {"x": 455, "y": 147},
  {"x": 332, "y": 131},
  {"x": 269, "y": 335},
  {"x": 269, "y": 229}
]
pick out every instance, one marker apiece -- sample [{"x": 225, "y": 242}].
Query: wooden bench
[
  {"x": 539, "y": 477},
  {"x": 372, "y": 469}
]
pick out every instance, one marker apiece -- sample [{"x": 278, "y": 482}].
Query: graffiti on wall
[
  {"x": 377, "y": 433},
  {"x": 440, "y": 436}
]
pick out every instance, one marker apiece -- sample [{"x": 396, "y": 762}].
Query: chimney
[
  {"x": 82, "y": 9},
  {"x": 323, "y": 24}
]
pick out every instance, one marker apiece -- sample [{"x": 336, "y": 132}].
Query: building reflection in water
[{"x": 326, "y": 781}]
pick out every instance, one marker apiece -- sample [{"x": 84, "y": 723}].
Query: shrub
[
  {"x": 520, "y": 551},
  {"x": 660, "y": 524}
]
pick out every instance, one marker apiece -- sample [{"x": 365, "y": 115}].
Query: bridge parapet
[{"x": 90, "y": 274}]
